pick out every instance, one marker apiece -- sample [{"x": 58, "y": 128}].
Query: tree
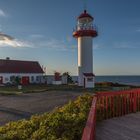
[
  {"x": 15, "y": 80},
  {"x": 69, "y": 78},
  {"x": 18, "y": 80}
]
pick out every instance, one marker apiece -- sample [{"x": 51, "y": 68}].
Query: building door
[
  {"x": 1, "y": 80},
  {"x": 84, "y": 82},
  {"x": 25, "y": 80}
]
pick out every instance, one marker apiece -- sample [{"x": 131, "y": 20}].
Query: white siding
[{"x": 6, "y": 77}]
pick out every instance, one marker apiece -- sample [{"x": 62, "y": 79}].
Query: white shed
[{"x": 89, "y": 80}]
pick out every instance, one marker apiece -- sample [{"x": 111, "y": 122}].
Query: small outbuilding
[{"x": 89, "y": 79}]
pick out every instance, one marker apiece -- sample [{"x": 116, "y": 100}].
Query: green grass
[{"x": 13, "y": 90}]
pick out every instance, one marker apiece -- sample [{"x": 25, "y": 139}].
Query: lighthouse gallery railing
[{"x": 83, "y": 28}]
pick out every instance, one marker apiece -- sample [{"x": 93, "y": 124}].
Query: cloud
[
  {"x": 138, "y": 30},
  {"x": 40, "y": 41},
  {"x": 36, "y": 36},
  {"x": 0, "y": 28},
  {"x": 127, "y": 45},
  {"x": 34, "y": 41},
  {"x": 53, "y": 44},
  {"x": 7, "y": 40},
  {"x": 2, "y": 13},
  {"x": 61, "y": 45},
  {"x": 37, "y": 41},
  {"x": 96, "y": 46},
  {"x": 69, "y": 38}
]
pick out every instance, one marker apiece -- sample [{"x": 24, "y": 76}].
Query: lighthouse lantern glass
[{"x": 85, "y": 24}]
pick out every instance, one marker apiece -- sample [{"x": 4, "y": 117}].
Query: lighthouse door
[{"x": 1, "y": 80}]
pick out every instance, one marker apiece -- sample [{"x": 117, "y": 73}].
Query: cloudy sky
[{"x": 42, "y": 30}]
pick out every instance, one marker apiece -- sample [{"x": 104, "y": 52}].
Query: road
[{"x": 15, "y": 107}]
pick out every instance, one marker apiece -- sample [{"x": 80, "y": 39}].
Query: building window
[
  {"x": 12, "y": 78},
  {"x": 6, "y": 79},
  {"x": 90, "y": 79},
  {"x": 37, "y": 78},
  {"x": 32, "y": 78}
]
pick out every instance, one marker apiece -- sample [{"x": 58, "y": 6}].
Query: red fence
[
  {"x": 108, "y": 105},
  {"x": 89, "y": 130}
]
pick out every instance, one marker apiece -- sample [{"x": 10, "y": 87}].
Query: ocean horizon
[{"x": 122, "y": 79}]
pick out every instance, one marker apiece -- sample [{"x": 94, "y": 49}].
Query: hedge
[{"x": 65, "y": 123}]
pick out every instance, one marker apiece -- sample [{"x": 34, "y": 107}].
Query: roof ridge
[{"x": 18, "y": 60}]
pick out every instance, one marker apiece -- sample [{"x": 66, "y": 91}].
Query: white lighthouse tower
[{"x": 85, "y": 32}]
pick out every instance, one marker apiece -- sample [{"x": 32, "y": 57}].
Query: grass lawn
[
  {"x": 13, "y": 90},
  {"x": 105, "y": 86}
]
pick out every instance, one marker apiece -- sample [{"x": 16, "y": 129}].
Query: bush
[{"x": 65, "y": 123}]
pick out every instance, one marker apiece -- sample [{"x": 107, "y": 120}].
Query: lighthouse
[{"x": 84, "y": 33}]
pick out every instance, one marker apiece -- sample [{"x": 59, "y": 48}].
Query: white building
[
  {"x": 51, "y": 78},
  {"x": 29, "y": 72},
  {"x": 85, "y": 32}
]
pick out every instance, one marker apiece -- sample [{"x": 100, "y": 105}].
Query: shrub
[{"x": 65, "y": 123}]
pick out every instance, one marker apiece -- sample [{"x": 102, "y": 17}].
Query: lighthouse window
[{"x": 90, "y": 79}]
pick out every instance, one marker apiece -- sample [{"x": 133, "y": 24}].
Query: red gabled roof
[
  {"x": 17, "y": 66},
  {"x": 85, "y": 15},
  {"x": 89, "y": 74}
]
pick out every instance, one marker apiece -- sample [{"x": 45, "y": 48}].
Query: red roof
[
  {"x": 17, "y": 66},
  {"x": 89, "y": 75},
  {"x": 85, "y": 15}
]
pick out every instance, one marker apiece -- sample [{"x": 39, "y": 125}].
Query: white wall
[
  {"x": 57, "y": 82},
  {"x": 90, "y": 84},
  {"x": 50, "y": 79},
  {"x": 64, "y": 79},
  {"x": 6, "y": 77},
  {"x": 85, "y": 57}
]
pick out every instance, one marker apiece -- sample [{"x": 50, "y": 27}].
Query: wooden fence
[{"x": 107, "y": 105}]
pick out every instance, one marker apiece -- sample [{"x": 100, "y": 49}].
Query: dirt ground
[{"x": 15, "y": 107}]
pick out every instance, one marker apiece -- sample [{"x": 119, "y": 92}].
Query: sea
[{"x": 128, "y": 80}]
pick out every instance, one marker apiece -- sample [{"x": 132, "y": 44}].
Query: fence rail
[
  {"x": 89, "y": 130},
  {"x": 108, "y": 105}
]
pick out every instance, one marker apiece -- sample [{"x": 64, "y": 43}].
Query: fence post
[{"x": 134, "y": 103}]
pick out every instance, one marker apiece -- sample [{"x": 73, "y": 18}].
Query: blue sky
[{"x": 43, "y": 31}]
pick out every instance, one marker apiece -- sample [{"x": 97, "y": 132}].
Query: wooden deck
[{"x": 122, "y": 128}]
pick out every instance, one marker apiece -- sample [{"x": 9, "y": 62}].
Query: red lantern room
[{"x": 85, "y": 26}]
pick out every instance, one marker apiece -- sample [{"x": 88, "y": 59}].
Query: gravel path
[{"x": 15, "y": 107}]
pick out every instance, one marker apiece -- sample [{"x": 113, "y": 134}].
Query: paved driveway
[{"x": 16, "y": 107}]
